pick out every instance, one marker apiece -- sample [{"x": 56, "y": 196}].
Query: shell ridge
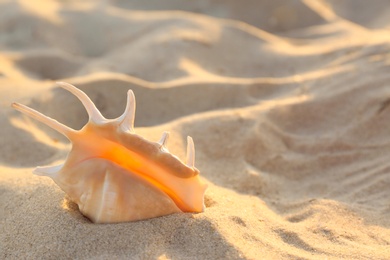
[{"x": 106, "y": 198}]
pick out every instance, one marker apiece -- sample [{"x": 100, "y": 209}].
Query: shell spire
[{"x": 115, "y": 175}]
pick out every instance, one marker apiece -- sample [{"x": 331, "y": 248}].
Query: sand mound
[{"x": 287, "y": 102}]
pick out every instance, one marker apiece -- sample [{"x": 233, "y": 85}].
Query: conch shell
[{"x": 115, "y": 175}]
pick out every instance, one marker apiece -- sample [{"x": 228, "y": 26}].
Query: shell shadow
[
  {"x": 292, "y": 154},
  {"x": 54, "y": 227},
  {"x": 20, "y": 148}
]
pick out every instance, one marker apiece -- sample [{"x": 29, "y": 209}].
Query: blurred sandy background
[{"x": 287, "y": 102}]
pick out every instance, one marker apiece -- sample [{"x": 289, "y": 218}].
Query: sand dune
[{"x": 287, "y": 102}]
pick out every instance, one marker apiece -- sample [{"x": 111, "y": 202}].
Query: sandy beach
[{"x": 288, "y": 103}]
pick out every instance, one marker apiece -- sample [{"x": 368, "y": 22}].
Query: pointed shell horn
[
  {"x": 54, "y": 124},
  {"x": 127, "y": 119},
  {"x": 93, "y": 113},
  {"x": 190, "y": 152}
]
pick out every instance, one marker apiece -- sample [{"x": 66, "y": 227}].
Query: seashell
[{"x": 115, "y": 175}]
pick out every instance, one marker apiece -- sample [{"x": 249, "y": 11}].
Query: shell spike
[
  {"x": 164, "y": 140},
  {"x": 50, "y": 171},
  {"x": 127, "y": 119},
  {"x": 190, "y": 152},
  {"x": 54, "y": 124},
  {"x": 93, "y": 113}
]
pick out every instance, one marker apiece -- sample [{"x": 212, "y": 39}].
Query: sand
[{"x": 287, "y": 102}]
